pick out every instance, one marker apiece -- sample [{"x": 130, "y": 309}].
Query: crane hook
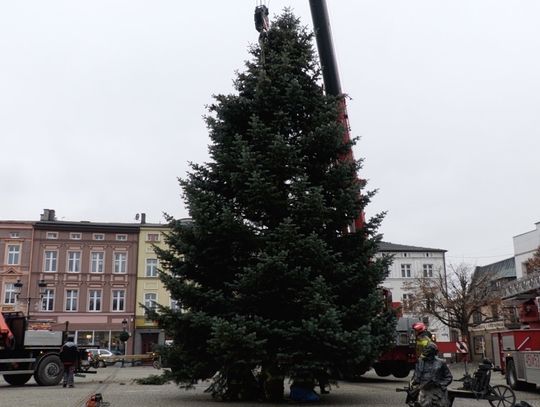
[{"x": 262, "y": 23}]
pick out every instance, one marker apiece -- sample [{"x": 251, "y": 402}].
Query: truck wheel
[
  {"x": 511, "y": 376},
  {"x": 401, "y": 371},
  {"x": 49, "y": 371},
  {"x": 382, "y": 370},
  {"x": 17, "y": 379}
]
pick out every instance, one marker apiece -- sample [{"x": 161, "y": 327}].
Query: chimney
[
  {"x": 143, "y": 218},
  {"x": 47, "y": 215}
]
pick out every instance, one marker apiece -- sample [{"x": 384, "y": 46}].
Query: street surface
[{"x": 117, "y": 386}]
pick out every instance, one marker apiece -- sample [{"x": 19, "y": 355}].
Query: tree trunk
[{"x": 273, "y": 384}]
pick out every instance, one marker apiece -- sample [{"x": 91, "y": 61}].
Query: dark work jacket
[
  {"x": 69, "y": 354},
  {"x": 434, "y": 370}
]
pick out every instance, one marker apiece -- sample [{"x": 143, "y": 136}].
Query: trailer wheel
[
  {"x": 17, "y": 379},
  {"x": 49, "y": 371},
  {"x": 503, "y": 396}
]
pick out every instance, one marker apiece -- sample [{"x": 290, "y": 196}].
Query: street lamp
[
  {"x": 18, "y": 289},
  {"x": 124, "y": 335}
]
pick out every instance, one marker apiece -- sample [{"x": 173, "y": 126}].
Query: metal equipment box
[{"x": 43, "y": 338}]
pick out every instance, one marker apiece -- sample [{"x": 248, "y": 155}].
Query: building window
[
  {"x": 74, "y": 262},
  {"x": 14, "y": 254},
  {"x": 50, "y": 261},
  {"x": 10, "y": 294},
  {"x": 118, "y": 299},
  {"x": 495, "y": 311},
  {"x": 52, "y": 235},
  {"x": 477, "y": 317},
  {"x": 14, "y": 235},
  {"x": 479, "y": 345},
  {"x": 97, "y": 260},
  {"x": 47, "y": 301},
  {"x": 407, "y": 302},
  {"x": 404, "y": 254},
  {"x": 94, "y": 300},
  {"x": 150, "y": 300},
  {"x": 121, "y": 237},
  {"x": 428, "y": 270},
  {"x": 120, "y": 262},
  {"x": 71, "y": 300},
  {"x": 75, "y": 236},
  {"x": 98, "y": 236},
  {"x": 427, "y": 254},
  {"x": 152, "y": 237},
  {"x": 406, "y": 270},
  {"x": 151, "y": 267}
]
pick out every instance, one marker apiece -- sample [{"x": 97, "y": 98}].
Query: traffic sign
[{"x": 462, "y": 347}]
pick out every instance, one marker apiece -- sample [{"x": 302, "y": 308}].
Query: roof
[
  {"x": 501, "y": 269},
  {"x": 393, "y": 247},
  {"x": 87, "y": 226}
]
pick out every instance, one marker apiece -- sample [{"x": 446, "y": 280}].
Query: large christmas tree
[{"x": 270, "y": 283}]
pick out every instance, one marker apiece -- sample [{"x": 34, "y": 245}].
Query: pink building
[
  {"x": 15, "y": 254},
  {"x": 82, "y": 275}
]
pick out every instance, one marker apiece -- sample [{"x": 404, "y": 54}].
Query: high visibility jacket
[{"x": 422, "y": 340}]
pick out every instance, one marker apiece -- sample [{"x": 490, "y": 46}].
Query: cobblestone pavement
[{"x": 119, "y": 389}]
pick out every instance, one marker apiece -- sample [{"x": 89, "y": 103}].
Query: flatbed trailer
[
  {"x": 32, "y": 352},
  {"x": 149, "y": 358}
]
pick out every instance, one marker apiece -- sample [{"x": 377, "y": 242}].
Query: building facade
[
  {"x": 150, "y": 289},
  {"x": 15, "y": 257},
  {"x": 410, "y": 262},
  {"x": 525, "y": 245},
  {"x": 89, "y": 278},
  {"x": 89, "y": 275},
  {"x": 497, "y": 275}
]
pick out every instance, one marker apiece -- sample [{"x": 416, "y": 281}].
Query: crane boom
[
  {"x": 323, "y": 35},
  {"x": 332, "y": 84}
]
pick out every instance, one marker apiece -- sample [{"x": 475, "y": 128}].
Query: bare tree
[
  {"x": 459, "y": 299},
  {"x": 533, "y": 264}
]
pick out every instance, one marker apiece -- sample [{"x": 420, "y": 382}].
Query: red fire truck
[
  {"x": 399, "y": 360},
  {"x": 517, "y": 352}
]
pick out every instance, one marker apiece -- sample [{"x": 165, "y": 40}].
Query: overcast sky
[{"x": 101, "y": 106}]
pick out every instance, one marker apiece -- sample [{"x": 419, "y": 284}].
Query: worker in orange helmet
[{"x": 423, "y": 337}]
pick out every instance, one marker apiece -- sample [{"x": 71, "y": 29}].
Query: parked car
[{"x": 101, "y": 357}]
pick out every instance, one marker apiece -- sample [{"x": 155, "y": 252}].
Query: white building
[
  {"x": 525, "y": 245},
  {"x": 413, "y": 262}
]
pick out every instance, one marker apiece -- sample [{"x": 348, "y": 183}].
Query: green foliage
[
  {"x": 154, "y": 379},
  {"x": 124, "y": 336},
  {"x": 267, "y": 276},
  {"x": 533, "y": 264}
]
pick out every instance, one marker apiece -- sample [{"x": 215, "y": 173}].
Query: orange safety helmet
[{"x": 419, "y": 327}]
